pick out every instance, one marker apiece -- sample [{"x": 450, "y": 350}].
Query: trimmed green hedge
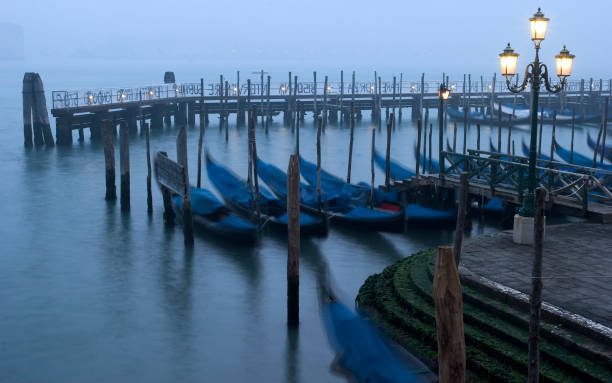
[{"x": 400, "y": 300}]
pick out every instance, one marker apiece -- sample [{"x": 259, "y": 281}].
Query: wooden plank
[{"x": 170, "y": 174}]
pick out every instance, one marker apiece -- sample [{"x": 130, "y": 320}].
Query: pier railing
[
  {"x": 571, "y": 183},
  {"x": 111, "y": 96}
]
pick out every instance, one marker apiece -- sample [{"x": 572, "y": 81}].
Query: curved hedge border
[{"x": 400, "y": 300}]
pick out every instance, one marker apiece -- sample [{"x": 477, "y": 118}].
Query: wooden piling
[
  {"x": 388, "y": 156},
  {"x": 109, "y": 160},
  {"x": 201, "y": 137},
  {"x": 535, "y": 300},
  {"x": 430, "y": 146},
  {"x": 597, "y": 146},
  {"x": 167, "y": 198},
  {"x": 571, "y": 159},
  {"x": 372, "y": 168},
  {"x": 319, "y": 123},
  {"x": 293, "y": 241},
  {"x": 181, "y": 158},
  {"x": 499, "y": 128},
  {"x": 478, "y": 136},
  {"x": 449, "y": 318},
  {"x": 418, "y": 148},
  {"x": 145, "y": 127},
  {"x": 350, "y": 159},
  {"x": 605, "y": 129},
  {"x": 325, "y": 103},
  {"x": 40, "y": 116},
  {"x": 268, "y": 112},
  {"x": 424, "y": 165},
  {"x": 341, "y": 99},
  {"x": 400, "y": 97},
  {"x": 454, "y": 137},
  {"x": 552, "y": 139},
  {"x": 124, "y": 165},
  {"x": 314, "y": 100},
  {"x": 253, "y": 142},
  {"x": 28, "y": 101},
  {"x": 225, "y": 113},
  {"x": 461, "y": 214}
]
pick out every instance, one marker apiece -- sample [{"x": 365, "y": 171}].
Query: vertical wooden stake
[
  {"x": 571, "y": 160},
  {"x": 454, "y": 137},
  {"x": 350, "y": 159},
  {"x": 449, "y": 318},
  {"x": 202, "y": 124},
  {"x": 429, "y": 147},
  {"x": 388, "y": 156},
  {"x": 28, "y": 100},
  {"x": 268, "y": 104},
  {"x": 461, "y": 213},
  {"x": 605, "y": 129},
  {"x": 40, "y": 114},
  {"x": 418, "y": 148},
  {"x": 372, "y": 168},
  {"x": 145, "y": 126},
  {"x": 478, "y": 136},
  {"x": 319, "y": 123},
  {"x": 253, "y": 144},
  {"x": 109, "y": 160},
  {"x": 181, "y": 157},
  {"x": 597, "y": 147},
  {"x": 535, "y": 301},
  {"x": 553, "y": 139},
  {"x": 297, "y": 127},
  {"x": 124, "y": 165},
  {"x": 499, "y": 128},
  {"x": 424, "y": 165},
  {"x": 167, "y": 198},
  {"x": 293, "y": 239}
]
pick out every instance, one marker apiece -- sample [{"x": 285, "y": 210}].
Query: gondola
[
  {"x": 563, "y": 116},
  {"x": 386, "y": 215},
  {"x": 362, "y": 354},
  {"x": 397, "y": 171},
  {"x": 593, "y": 145},
  {"x": 477, "y": 117},
  {"x": 211, "y": 216},
  {"x": 578, "y": 159},
  {"x": 237, "y": 195}
]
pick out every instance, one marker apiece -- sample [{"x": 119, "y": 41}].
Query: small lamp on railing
[
  {"x": 90, "y": 98},
  {"x": 443, "y": 94},
  {"x": 122, "y": 96},
  {"x": 372, "y": 88},
  {"x": 151, "y": 93}
]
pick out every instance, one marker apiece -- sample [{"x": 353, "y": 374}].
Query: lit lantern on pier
[
  {"x": 565, "y": 60},
  {"x": 90, "y": 98},
  {"x": 538, "y": 24},
  {"x": 444, "y": 92},
  {"x": 508, "y": 61},
  {"x": 151, "y": 93},
  {"x": 122, "y": 96}
]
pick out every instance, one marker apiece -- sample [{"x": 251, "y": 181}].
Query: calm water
[{"x": 88, "y": 293}]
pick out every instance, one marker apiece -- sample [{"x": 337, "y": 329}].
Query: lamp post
[
  {"x": 536, "y": 73},
  {"x": 443, "y": 93}
]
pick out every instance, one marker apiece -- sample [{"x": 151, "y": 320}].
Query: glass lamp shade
[
  {"x": 538, "y": 24},
  {"x": 565, "y": 60},
  {"x": 508, "y": 60},
  {"x": 444, "y": 92}
]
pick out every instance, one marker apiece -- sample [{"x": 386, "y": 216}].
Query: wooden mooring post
[
  {"x": 319, "y": 123},
  {"x": 605, "y": 129},
  {"x": 418, "y": 148},
  {"x": 124, "y": 165},
  {"x": 429, "y": 147},
  {"x": 571, "y": 159},
  {"x": 166, "y": 194},
  {"x": 350, "y": 158},
  {"x": 448, "y": 303},
  {"x": 109, "y": 160},
  {"x": 145, "y": 127},
  {"x": 535, "y": 300},
  {"x": 35, "y": 116},
  {"x": 293, "y": 241},
  {"x": 181, "y": 157},
  {"x": 388, "y": 153},
  {"x": 372, "y": 168},
  {"x": 461, "y": 216}
]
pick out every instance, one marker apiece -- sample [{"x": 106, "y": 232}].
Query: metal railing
[
  {"x": 110, "y": 96},
  {"x": 570, "y": 183}
]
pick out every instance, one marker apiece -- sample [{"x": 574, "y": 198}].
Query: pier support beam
[
  {"x": 63, "y": 130},
  {"x": 132, "y": 121},
  {"x": 109, "y": 160},
  {"x": 191, "y": 112},
  {"x": 124, "y": 165},
  {"x": 156, "y": 117}
]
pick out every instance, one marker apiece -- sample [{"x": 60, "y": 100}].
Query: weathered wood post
[
  {"x": 478, "y": 136},
  {"x": 319, "y": 123},
  {"x": 350, "y": 159},
  {"x": 109, "y": 160},
  {"x": 605, "y": 129},
  {"x": 554, "y": 132},
  {"x": 124, "y": 165},
  {"x": 145, "y": 126},
  {"x": 449, "y": 318},
  {"x": 430, "y": 146},
  {"x": 167, "y": 198},
  {"x": 454, "y": 137},
  {"x": 293, "y": 241},
  {"x": 201, "y": 137},
  {"x": 461, "y": 214},
  {"x": 28, "y": 101},
  {"x": 181, "y": 157},
  {"x": 253, "y": 145},
  {"x": 297, "y": 127},
  {"x": 535, "y": 300},
  {"x": 315, "y": 112},
  {"x": 424, "y": 164},
  {"x": 418, "y": 148},
  {"x": 325, "y": 91},
  {"x": 400, "y": 97},
  {"x": 499, "y": 128},
  {"x": 268, "y": 111},
  {"x": 597, "y": 147},
  {"x": 388, "y": 155},
  {"x": 42, "y": 128},
  {"x": 341, "y": 99},
  {"x": 571, "y": 159},
  {"x": 372, "y": 168}
]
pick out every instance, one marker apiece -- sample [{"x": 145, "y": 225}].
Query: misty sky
[{"x": 431, "y": 36}]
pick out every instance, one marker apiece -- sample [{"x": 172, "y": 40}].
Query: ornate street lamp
[
  {"x": 535, "y": 74},
  {"x": 444, "y": 94}
]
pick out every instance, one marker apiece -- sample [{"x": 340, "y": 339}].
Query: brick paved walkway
[{"x": 577, "y": 266}]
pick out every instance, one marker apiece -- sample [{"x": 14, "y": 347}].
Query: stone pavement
[{"x": 576, "y": 271}]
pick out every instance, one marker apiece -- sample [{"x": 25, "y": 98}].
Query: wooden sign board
[{"x": 170, "y": 174}]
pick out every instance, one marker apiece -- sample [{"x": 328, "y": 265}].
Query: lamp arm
[
  {"x": 520, "y": 88},
  {"x": 556, "y": 88}
]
